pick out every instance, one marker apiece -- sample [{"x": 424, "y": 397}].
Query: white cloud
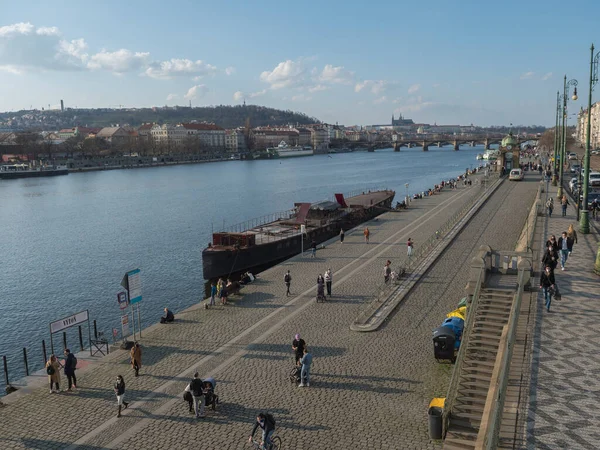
[
  {"x": 376, "y": 86},
  {"x": 229, "y": 70},
  {"x": 301, "y": 98},
  {"x": 317, "y": 88},
  {"x": 257, "y": 94},
  {"x": 547, "y": 76},
  {"x": 380, "y": 100},
  {"x": 172, "y": 97},
  {"x": 286, "y": 74},
  {"x": 336, "y": 75},
  {"x": 527, "y": 75},
  {"x": 414, "y": 88},
  {"x": 199, "y": 90},
  {"x": 238, "y": 96},
  {"x": 179, "y": 67},
  {"x": 16, "y": 29},
  {"x": 120, "y": 61}
]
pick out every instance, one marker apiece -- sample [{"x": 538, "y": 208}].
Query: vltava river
[{"x": 67, "y": 241}]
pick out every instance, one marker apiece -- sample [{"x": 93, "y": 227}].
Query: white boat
[
  {"x": 283, "y": 150},
  {"x": 491, "y": 155},
  {"x": 479, "y": 156}
]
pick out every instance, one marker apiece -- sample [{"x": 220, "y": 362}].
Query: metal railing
[{"x": 460, "y": 357}]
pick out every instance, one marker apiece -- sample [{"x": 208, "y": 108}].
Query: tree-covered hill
[{"x": 223, "y": 115}]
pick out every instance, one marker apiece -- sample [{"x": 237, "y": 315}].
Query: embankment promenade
[{"x": 367, "y": 390}]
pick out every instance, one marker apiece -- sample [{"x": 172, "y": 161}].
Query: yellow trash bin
[{"x": 436, "y": 407}]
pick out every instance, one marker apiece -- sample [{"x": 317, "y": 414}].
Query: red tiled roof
[
  {"x": 146, "y": 126},
  {"x": 201, "y": 126}
]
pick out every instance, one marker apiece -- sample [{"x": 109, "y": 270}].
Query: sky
[{"x": 346, "y": 62}]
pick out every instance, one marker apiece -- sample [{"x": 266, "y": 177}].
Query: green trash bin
[{"x": 436, "y": 407}]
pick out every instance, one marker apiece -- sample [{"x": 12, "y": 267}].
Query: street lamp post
[
  {"x": 566, "y": 85},
  {"x": 584, "y": 224},
  {"x": 406, "y": 186},
  {"x": 556, "y": 141},
  {"x": 578, "y": 191}
]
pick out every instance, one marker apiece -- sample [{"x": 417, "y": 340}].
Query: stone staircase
[{"x": 491, "y": 315}]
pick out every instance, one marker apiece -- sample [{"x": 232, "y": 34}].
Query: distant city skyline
[{"x": 486, "y": 64}]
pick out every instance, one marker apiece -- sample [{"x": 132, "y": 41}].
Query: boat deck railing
[{"x": 257, "y": 222}]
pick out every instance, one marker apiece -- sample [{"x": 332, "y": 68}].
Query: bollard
[
  {"x": 64, "y": 340},
  {"x": 44, "y": 351},
  {"x": 80, "y": 338},
  {"x": 95, "y": 331},
  {"x": 25, "y": 360},
  {"x": 5, "y": 371}
]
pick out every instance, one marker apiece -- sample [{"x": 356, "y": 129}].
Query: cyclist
[{"x": 267, "y": 423}]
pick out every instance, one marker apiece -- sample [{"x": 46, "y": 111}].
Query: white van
[{"x": 516, "y": 175}]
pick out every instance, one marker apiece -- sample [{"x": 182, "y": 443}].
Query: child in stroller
[
  {"x": 210, "y": 398},
  {"x": 295, "y": 376}
]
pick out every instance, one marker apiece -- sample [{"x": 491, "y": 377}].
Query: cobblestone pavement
[
  {"x": 565, "y": 391},
  {"x": 367, "y": 389}
]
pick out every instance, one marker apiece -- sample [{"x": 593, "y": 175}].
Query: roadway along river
[{"x": 67, "y": 241}]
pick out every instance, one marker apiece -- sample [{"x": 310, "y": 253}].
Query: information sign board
[
  {"x": 70, "y": 321},
  {"x": 125, "y": 325},
  {"x": 134, "y": 286},
  {"x": 122, "y": 299}
]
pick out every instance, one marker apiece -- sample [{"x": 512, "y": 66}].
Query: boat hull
[
  {"x": 231, "y": 262},
  {"x": 11, "y": 175}
]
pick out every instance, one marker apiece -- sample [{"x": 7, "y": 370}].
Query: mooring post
[
  {"x": 44, "y": 351},
  {"x": 25, "y": 360},
  {"x": 5, "y": 370},
  {"x": 80, "y": 338},
  {"x": 64, "y": 340}
]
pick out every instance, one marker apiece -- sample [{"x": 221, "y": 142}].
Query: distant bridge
[{"x": 443, "y": 141}]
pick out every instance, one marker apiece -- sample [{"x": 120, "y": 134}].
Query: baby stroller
[
  {"x": 321, "y": 292},
  {"x": 295, "y": 374},
  {"x": 210, "y": 398}
]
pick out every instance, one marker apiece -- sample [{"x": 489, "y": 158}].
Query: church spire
[{"x": 392, "y": 118}]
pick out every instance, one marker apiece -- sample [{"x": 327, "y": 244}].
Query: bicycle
[{"x": 275, "y": 444}]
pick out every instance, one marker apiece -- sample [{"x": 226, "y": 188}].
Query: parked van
[{"x": 516, "y": 175}]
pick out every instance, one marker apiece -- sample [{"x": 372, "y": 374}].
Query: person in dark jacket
[
  {"x": 120, "y": 393},
  {"x": 550, "y": 258},
  {"x": 197, "y": 389},
  {"x": 553, "y": 243},
  {"x": 313, "y": 246},
  {"x": 168, "y": 317},
  {"x": 70, "y": 367},
  {"x": 267, "y": 423},
  {"x": 565, "y": 245},
  {"x": 547, "y": 284},
  {"x": 298, "y": 345}
]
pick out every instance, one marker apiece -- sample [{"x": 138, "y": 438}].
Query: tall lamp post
[
  {"x": 584, "y": 224},
  {"x": 566, "y": 86},
  {"x": 557, "y": 136}
]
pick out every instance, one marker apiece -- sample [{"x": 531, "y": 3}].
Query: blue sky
[{"x": 450, "y": 62}]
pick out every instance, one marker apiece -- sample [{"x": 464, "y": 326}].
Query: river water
[{"x": 67, "y": 241}]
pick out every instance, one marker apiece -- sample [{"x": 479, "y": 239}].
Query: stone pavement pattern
[
  {"x": 565, "y": 386},
  {"x": 367, "y": 390}
]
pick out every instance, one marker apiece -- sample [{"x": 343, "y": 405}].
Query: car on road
[
  {"x": 575, "y": 168},
  {"x": 596, "y": 152},
  {"x": 516, "y": 175},
  {"x": 573, "y": 156},
  {"x": 594, "y": 179},
  {"x": 573, "y": 184},
  {"x": 591, "y": 196}
]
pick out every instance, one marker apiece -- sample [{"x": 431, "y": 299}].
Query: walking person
[
  {"x": 320, "y": 287},
  {"x": 224, "y": 294},
  {"x": 550, "y": 258},
  {"x": 120, "y": 393},
  {"x": 409, "y": 247},
  {"x": 547, "y": 285},
  {"x": 564, "y": 203},
  {"x": 571, "y": 233},
  {"x": 287, "y": 279},
  {"x": 565, "y": 244},
  {"x": 550, "y": 206},
  {"x": 53, "y": 371},
  {"x": 367, "y": 233},
  {"x": 197, "y": 389},
  {"x": 305, "y": 362},
  {"x": 313, "y": 247},
  {"x": 298, "y": 345},
  {"x": 136, "y": 358},
  {"x": 387, "y": 270},
  {"x": 328, "y": 280},
  {"x": 594, "y": 208},
  {"x": 341, "y": 236},
  {"x": 213, "y": 293},
  {"x": 70, "y": 367},
  {"x": 552, "y": 242}
]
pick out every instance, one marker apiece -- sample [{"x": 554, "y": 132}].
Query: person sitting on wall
[{"x": 169, "y": 317}]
